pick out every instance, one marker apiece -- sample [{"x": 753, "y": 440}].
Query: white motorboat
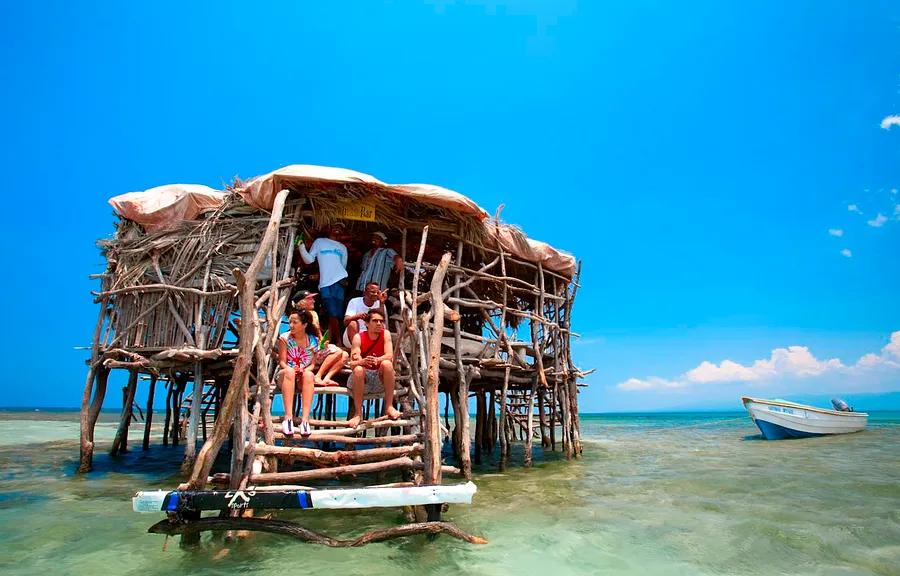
[{"x": 779, "y": 419}]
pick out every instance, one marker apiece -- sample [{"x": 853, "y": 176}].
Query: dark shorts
[{"x": 333, "y": 299}]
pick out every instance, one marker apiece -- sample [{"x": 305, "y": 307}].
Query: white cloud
[
  {"x": 878, "y": 221},
  {"x": 847, "y": 253},
  {"x": 793, "y": 363},
  {"x": 853, "y": 208},
  {"x": 652, "y": 383},
  {"x": 836, "y": 232},
  {"x": 889, "y": 121},
  {"x": 892, "y": 349},
  {"x": 727, "y": 371}
]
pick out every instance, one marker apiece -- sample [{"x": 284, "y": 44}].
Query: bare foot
[
  {"x": 392, "y": 413},
  {"x": 329, "y": 382},
  {"x": 318, "y": 380},
  {"x": 354, "y": 422}
]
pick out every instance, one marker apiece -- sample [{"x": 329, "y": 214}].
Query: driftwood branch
[
  {"x": 285, "y": 528},
  {"x": 237, "y": 389}
]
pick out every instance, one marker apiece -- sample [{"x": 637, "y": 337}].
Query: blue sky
[{"x": 694, "y": 156}]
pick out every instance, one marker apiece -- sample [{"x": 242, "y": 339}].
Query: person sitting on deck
[
  {"x": 329, "y": 359},
  {"x": 378, "y": 262},
  {"x": 372, "y": 299},
  {"x": 296, "y": 352},
  {"x": 372, "y": 361},
  {"x": 332, "y": 258}
]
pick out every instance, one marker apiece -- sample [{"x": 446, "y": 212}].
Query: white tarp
[{"x": 164, "y": 206}]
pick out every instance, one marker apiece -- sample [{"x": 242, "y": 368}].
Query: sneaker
[
  {"x": 287, "y": 427},
  {"x": 304, "y": 429}
]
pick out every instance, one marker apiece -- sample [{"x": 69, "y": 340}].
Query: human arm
[
  {"x": 309, "y": 256},
  {"x": 388, "y": 348},
  {"x": 282, "y": 354},
  {"x": 356, "y": 358},
  {"x": 354, "y": 312}
]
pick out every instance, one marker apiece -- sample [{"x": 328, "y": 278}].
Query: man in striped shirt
[{"x": 377, "y": 263}]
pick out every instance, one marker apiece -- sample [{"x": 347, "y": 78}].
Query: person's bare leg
[
  {"x": 287, "y": 391},
  {"x": 386, "y": 371},
  {"x": 340, "y": 359},
  {"x": 359, "y": 389},
  {"x": 323, "y": 374},
  {"x": 308, "y": 384}
]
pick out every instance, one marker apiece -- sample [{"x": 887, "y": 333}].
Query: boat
[{"x": 780, "y": 419}]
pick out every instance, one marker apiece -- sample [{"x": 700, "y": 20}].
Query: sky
[{"x": 726, "y": 171}]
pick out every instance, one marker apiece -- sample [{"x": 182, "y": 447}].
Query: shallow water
[{"x": 654, "y": 494}]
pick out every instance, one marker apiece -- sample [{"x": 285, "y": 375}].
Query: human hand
[{"x": 383, "y": 296}]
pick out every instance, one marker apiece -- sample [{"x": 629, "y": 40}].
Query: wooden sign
[{"x": 363, "y": 210}]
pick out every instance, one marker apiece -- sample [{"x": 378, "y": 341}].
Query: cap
[
  {"x": 303, "y": 295},
  {"x": 381, "y": 235}
]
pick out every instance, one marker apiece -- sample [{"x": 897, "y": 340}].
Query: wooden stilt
[
  {"x": 120, "y": 443},
  {"x": 432, "y": 455},
  {"x": 148, "y": 418},
  {"x": 480, "y": 419}
]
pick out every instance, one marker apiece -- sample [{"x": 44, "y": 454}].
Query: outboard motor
[{"x": 840, "y": 405}]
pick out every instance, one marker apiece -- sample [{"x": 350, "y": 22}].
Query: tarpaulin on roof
[
  {"x": 164, "y": 206},
  {"x": 260, "y": 191},
  {"x": 514, "y": 241},
  {"x": 441, "y": 197}
]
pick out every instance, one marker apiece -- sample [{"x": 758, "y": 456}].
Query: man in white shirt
[
  {"x": 354, "y": 319},
  {"x": 332, "y": 258}
]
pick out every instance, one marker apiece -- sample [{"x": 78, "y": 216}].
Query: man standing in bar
[
  {"x": 332, "y": 258},
  {"x": 377, "y": 263}
]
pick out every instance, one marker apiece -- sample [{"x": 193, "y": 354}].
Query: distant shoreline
[{"x": 117, "y": 411}]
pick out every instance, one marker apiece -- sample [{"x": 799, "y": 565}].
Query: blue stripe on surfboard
[
  {"x": 170, "y": 504},
  {"x": 775, "y": 432}
]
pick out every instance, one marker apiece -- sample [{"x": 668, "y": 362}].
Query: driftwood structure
[{"x": 193, "y": 298}]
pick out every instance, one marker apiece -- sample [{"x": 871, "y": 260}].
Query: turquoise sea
[{"x": 691, "y": 494}]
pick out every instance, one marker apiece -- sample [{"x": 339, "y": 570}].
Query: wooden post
[
  {"x": 489, "y": 438},
  {"x": 190, "y": 445},
  {"x": 542, "y": 418},
  {"x": 87, "y": 430},
  {"x": 432, "y": 454},
  {"x": 120, "y": 444},
  {"x": 480, "y": 420},
  {"x": 462, "y": 391},
  {"x": 148, "y": 418},
  {"x": 249, "y": 328},
  {"x": 529, "y": 433}
]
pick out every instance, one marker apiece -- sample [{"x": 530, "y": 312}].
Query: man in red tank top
[{"x": 372, "y": 361}]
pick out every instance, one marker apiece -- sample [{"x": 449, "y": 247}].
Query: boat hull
[{"x": 778, "y": 420}]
